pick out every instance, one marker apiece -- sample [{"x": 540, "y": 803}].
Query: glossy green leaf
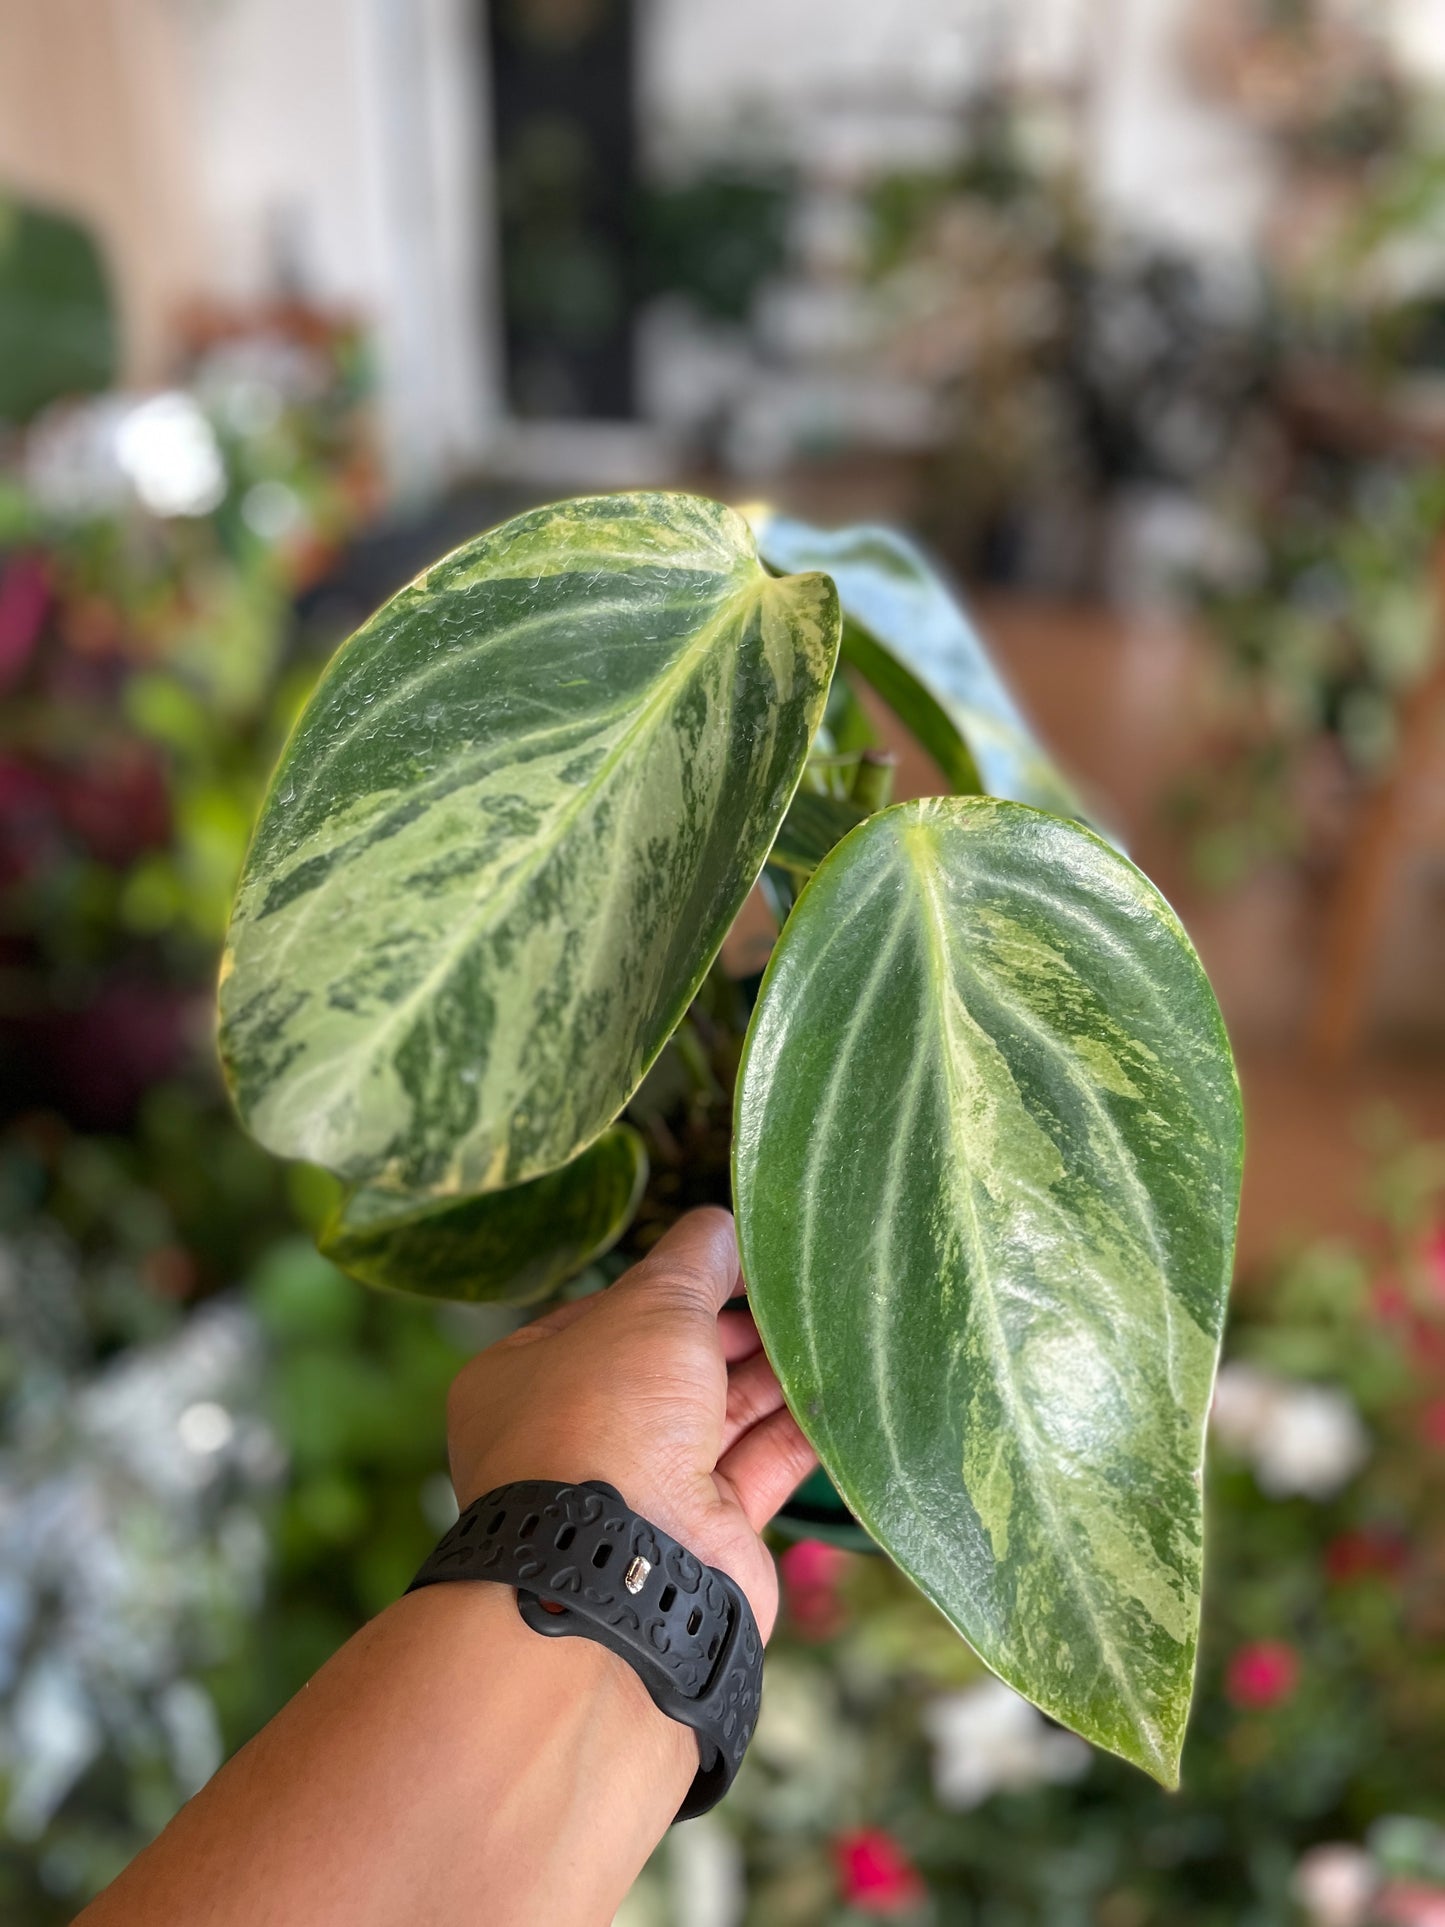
[
  {"x": 907, "y": 635},
  {"x": 507, "y": 837},
  {"x": 502, "y": 1247},
  {"x": 987, "y": 1165}
]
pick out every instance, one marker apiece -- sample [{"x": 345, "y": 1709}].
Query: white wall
[
  {"x": 1167, "y": 160},
  {"x": 347, "y": 140},
  {"x": 1418, "y": 28}
]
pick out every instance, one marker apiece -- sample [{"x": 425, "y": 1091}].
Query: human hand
[{"x": 655, "y": 1389}]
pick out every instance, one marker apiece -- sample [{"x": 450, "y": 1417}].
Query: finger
[
  {"x": 766, "y": 1466},
  {"x": 753, "y": 1394},
  {"x": 739, "y": 1335},
  {"x": 693, "y": 1269},
  {"x": 558, "y": 1320}
]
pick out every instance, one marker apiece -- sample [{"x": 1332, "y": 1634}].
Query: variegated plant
[{"x": 987, "y": 1131}]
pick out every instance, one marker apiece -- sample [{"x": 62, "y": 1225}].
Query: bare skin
[{"x": 448, "y": 1766}]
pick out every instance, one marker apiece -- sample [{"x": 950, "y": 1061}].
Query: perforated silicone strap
[{"x": 684, "y": 1628}]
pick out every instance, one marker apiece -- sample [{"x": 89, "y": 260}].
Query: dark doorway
[{"x": 564, "y": 115}]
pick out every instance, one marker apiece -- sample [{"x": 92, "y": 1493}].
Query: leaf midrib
[
  {"x": 370, "y": 1041},
  {"x": 918, "y": 855}
]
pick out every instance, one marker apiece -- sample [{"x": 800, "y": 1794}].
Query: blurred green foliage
[
  {"x": 715, "y": 240},
  {"x": 1326, "y": 626},
  {"x": 58, "y": 330},
  {"x": 1323, "y": 606}
]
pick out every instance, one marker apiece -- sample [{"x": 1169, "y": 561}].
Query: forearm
[{"x": 448, "y": 1766}]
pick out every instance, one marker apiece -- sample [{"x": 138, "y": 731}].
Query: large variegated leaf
[
  {"x": 987, "y": 1168},
  {"x": 503, "y": 1247},
  {"x": 507, "y": 837},
  {"x": 907, "y": 635}
]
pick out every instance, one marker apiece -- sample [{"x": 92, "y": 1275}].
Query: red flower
[
  {"x": 93, "y": 1064},
  {"x": 874, "y": 1873},
  {"x": 118, "y": 807},
  {"x": 27, "y": 820},
  {"x": 24, "y": 599},
  {"x": 812, "y": 1573},
  {"x": 1262, "y": 1674},
  {"x": 1432, "y": 1424},
  {"x": 1368, "y": 1554}
]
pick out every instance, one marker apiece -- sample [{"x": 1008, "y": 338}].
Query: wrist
[
  {"x": 581, "y": 1563},
  {"x": 670, "y": 1506},
  {"x": 591, "y": 1714}
]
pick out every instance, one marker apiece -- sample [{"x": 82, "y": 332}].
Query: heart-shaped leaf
[
  {"x": 987, "y": 1164},
  {"x": 508, "y": 836},
  {"x": 503, "y": 1247},
  {"x": 907, "y": 635}
]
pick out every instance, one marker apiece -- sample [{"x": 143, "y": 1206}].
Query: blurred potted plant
[
  {"x": 1324, "y": 626},
  {"x": 1073, "y": 363}
]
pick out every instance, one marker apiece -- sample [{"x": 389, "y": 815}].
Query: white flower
[
  {"x": 987, "y": 1740},
  {"x": 160, "y": 1412},
  {"x": 705, "y": 1865},
  {"x": 1305, "y": 1439},
  {"x": 1244, "y": 1401},
  {"x": 1334, "y": 1884},
  {"x": 53, "y": 1736},
  {"x": 169, "y": 453}
]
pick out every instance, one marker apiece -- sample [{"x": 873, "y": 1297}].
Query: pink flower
[
  {"x": 1404, "y": 1903},
  {"x": 874, "y": 1873},
  {"x": 1262, "y": 1674},
  {"x": 1388, "y": 1301},
  {"x": 812, "y": 1575}
]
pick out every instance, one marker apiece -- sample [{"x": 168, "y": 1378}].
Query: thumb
[{"x": 693, "y": 1269}]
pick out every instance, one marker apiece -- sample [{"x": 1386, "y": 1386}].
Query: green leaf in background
[
  {"x": 811, "y": 827},
  {"x": 58, "y": 332},
  {"x": 503, "y": 1247},
  {"x": 508, "y": 836},
  {"x": 987, "y": 1162},
  {"x": 906, "y": 634}
]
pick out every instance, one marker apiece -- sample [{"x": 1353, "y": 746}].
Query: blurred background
[{"x": 1134, "y": 311}]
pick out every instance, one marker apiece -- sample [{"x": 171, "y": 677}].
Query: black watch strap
[{"x": 584, "y": 1564}]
